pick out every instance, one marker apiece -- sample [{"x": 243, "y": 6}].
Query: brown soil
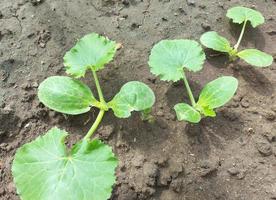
[{"x": 230, "y": 157}]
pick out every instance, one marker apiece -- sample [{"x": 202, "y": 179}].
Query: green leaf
[
  {"x": 45, "y": 169},
  {"x": 91, "y": 52},
  {"x": 218, "y": 92},
  {"x": 240, "y": 14},
  {"x": 214, "y": 41},
  {"x": 169, "y": 57},
  {"x": 65, "y": 95},
  {"x": 256, "y": 58},
  {"x": 187, "y": 113},
  {"x": 133, "y": 96}
]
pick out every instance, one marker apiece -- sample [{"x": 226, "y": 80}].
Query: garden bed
[{"x": 232, "y": 156}]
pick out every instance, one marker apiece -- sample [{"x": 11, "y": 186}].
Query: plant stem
[
  {"x": 98, "y": 87},
  {"x": 241, "y": 35},
  {"x": 95, "y": 125},
  {"x": 191, "y": 96}
]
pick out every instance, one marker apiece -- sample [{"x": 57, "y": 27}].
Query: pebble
[
  {"x": 106, "y": 131},
  {"x": 138, "y": 161},
  {"x": 270, "y": 116},
  {"x": 233, "y": 171},
  {"x": 264, "y": 148},
  {"x": 245, "y": 103},
  {"x": 191, "y": 2}
]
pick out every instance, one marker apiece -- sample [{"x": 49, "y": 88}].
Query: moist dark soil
[{"x": 230, "y": 157}]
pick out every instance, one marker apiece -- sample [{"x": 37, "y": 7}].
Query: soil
[{"x": 230, "y": 157}]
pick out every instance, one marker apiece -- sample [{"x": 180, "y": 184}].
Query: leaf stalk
[
  {"x": 241, "y": 35},
  {"x": 191, "y": 96},
  {"x": 95, "y": 125}
]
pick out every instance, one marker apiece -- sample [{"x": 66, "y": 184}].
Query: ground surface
[{"x": 231, "y": 157}]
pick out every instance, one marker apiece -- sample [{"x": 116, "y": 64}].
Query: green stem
[
  {"x": 95, "y": 125},
  {"x": 191, "y": 96},
  {"x": 98, "y": 87},
  {"x": 241, "y": 35}
]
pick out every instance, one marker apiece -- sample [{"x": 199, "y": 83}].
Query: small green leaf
[
  {"x": 206, "y": 111},
  {"x": 218, "y": 92},
  {"x": 133, "y": 96},
  {"x": 256, "y": 58},
  {"x": 45, "y": 169},
  {"x": 240, "y": 14},
  {"x": 214, "y": 41},
  {"x": 169, "y": 57},
  {"x": 65, "y": 95},
  {"x": 187, "y": 113},
  {"x": 91, "y": 52}
]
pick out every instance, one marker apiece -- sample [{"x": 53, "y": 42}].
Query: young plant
[
  {"x": 240, "y": 15},
  {"x": 46, "y": 169},
  {"x": 170, "y": 59}
]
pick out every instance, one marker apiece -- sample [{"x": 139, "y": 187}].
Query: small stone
[
  {"x": 233, "y": 171},
  {"x": 206, "y": 26},
  {"x": 270, "y": 116},
  {"x": 271, "y": 137},
  {"x": 106, "y": 131},
  {"x": 176, "y": 185},
  {"x": 207, "y": 169},
  {"x": 138, "y": 161},
  {"x": 245, "y": 103},
  {"x": 264, "y": 148},
  {"x": 191, "y": 2}
]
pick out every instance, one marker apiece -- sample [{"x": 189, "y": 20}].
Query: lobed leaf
[
  {"x": 133, "y": 96},
  {"x": 216, "y": 42},
  {"x": 91, "y": 52},
  {"x": 187, "y": 113},
  {"x": 45, "y": 169},
  {"x": 255, "y": 57},
  {"x": 65, "y": 95},
  {"x": 240, "y": 14},
  {"x": 218, "y": 92},
  {"x": 169, "y": 57}
]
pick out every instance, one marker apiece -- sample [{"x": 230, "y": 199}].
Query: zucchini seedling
[
  {"x": 46, "y": 169},
  {"x": 169, "y": 59},
  {"x": 240, "y": 15}
]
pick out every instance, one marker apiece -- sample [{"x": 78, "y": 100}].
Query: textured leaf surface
[
  {"x": 169, "y": 57},
  {"x": 218, "y": 92},
  {"x": 65, "y": 95},
  {"x": 256, "y": 58},
  {"x": 92, "y": 51},
  {"x": 240, "y": 14},
  {"x": 133, "y": 96},
  {"x": 214, "y": 41},
  {"x": 187, "y": 113},
  {"x": 44, "y": 170}
]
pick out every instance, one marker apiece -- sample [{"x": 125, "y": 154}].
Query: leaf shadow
[
  {"x": 252, "y": 36},
  {"x": 256, "y": 80},
  {"x": 217, "y": 59},
  {"x": 177, "y": 93},
  {"x": 213, "y": 132}
]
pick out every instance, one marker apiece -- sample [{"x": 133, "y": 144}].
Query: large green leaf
[
  {"x": 169, "y": 57},
  {"x": 256, "y": 58},
  {"x": 91, "y": 52},
  {"x": 187, "y": 113},
  {"x": 66, "y": 95},
  {"x": 218, "y": 92},
  {"x": 46, "y": 170},
  {"x": 133, "y": 96},
  {"x": 240, "y": 14},
  {"x": 214, "y": 41}
]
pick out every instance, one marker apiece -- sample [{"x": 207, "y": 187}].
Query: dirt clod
[{"x": 264, "y": 148}]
